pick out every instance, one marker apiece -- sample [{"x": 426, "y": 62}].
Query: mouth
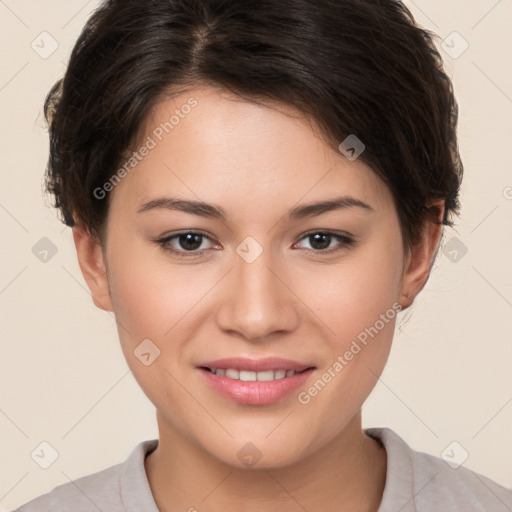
[
  {"x": 265, "y": 369},
  {"x": 255, "y": 381}
]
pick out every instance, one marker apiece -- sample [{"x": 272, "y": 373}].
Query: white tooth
[
  {"x": 267, "y": 375},
  {"x": 232, "y": 373},
  {"x": 247, "y": 376},
  {"x": 280, "y": 374}
]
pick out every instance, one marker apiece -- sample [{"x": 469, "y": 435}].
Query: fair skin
[{"x": 293, "y": 301}]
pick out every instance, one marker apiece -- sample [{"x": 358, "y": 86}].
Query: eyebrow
[{"x": 216, "y": 212}]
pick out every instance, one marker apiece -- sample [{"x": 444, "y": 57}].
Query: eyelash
[{"x": 345, "y": 243}]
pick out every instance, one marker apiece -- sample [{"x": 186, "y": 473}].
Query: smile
[
  {"x": 250, "y": 376},
  {"x": 255, "y": 381}
]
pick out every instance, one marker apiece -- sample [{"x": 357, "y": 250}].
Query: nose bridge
[{"x": 258, "y": 302}]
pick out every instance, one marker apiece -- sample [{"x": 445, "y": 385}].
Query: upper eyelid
[{"x": 186, "y": 232}]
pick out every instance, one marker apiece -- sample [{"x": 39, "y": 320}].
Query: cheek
[
  {"x": 151, "y": 301},
  {"x": 352, "y": 296},
  {"x": 358, "y": 302},
  {"x": 150, "y": 296}
]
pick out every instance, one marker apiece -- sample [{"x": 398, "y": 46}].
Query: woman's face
[{"x": 272, "y": 279}]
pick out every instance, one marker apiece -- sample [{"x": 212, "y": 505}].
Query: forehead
[{"x": 209, "y": 144}]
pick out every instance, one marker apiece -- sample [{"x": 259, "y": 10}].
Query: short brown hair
[{"x": 358, "y": 67}]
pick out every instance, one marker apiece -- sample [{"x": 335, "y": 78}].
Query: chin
[{"x": 260, "y": 454}]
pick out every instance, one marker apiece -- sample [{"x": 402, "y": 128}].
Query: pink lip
[
  {"x": 255, "y": 365},
  {"x": 255, "y": 392}
]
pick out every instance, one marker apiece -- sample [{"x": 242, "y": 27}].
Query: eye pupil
[
  {"x": 190, "y": 238},
  {"x": 317, "y": 237}
]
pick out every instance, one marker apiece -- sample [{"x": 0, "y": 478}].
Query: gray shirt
[{"x": 415, "y": 482}]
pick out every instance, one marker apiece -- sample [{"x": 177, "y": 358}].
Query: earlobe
[
  {"x": 92, "y": 264},
  {"x": 420, "y": 258}
]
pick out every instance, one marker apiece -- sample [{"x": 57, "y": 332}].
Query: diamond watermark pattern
[
  {"x": 454, "y": 45},
  {"x": 351, "y": 147},
  {"x": 249, "y": 454},
  {"x": 454, "y": 455},
  {"x": 44, "y": 45},
  {"x": 146, "y": 352},
  {"x": 454, "y": 249},
  {"x": 249, "y": 250},
  {"x": 44, "y": 455},
  {"x": 44, "y": 250}
]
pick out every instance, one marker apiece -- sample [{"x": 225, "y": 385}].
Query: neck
[{"x": 346, "y": 474}]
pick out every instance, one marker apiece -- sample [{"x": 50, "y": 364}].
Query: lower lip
[{"x": 255, "y": 392}]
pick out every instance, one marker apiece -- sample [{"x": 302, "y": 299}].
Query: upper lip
[{"x": 255, "y": 365}]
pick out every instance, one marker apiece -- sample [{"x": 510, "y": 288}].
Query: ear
[
  {"x": 92, "y": 263},
  {"x": 420, "y": 258}
]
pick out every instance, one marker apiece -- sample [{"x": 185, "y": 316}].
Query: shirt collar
[
  {"x": 398, "y": 492},
  {"x": 398, "y": 495},
  {"x": 135, "y": 490}
]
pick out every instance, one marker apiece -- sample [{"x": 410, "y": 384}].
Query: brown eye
[
  {"x": 189, "y": 241},
  {"x": 185, "y": 244},
  {"x": 320, "y": 241}
]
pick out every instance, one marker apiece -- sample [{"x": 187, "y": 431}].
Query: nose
[{"x": 258, "y": 299}]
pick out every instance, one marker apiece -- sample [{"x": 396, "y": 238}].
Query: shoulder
[
  {"x": 421, "y": 482},
  {"x": 83, "y": 494},
  {"x": 104, "y": 490},
  {"x": 459, "y": 486}
]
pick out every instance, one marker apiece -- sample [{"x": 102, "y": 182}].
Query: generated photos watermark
[
  {"x": 151, "y": 142},
  {"x": 305, "y": 397}
]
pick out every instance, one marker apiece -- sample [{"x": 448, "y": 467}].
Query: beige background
[{"x": 63, "y": 376}]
